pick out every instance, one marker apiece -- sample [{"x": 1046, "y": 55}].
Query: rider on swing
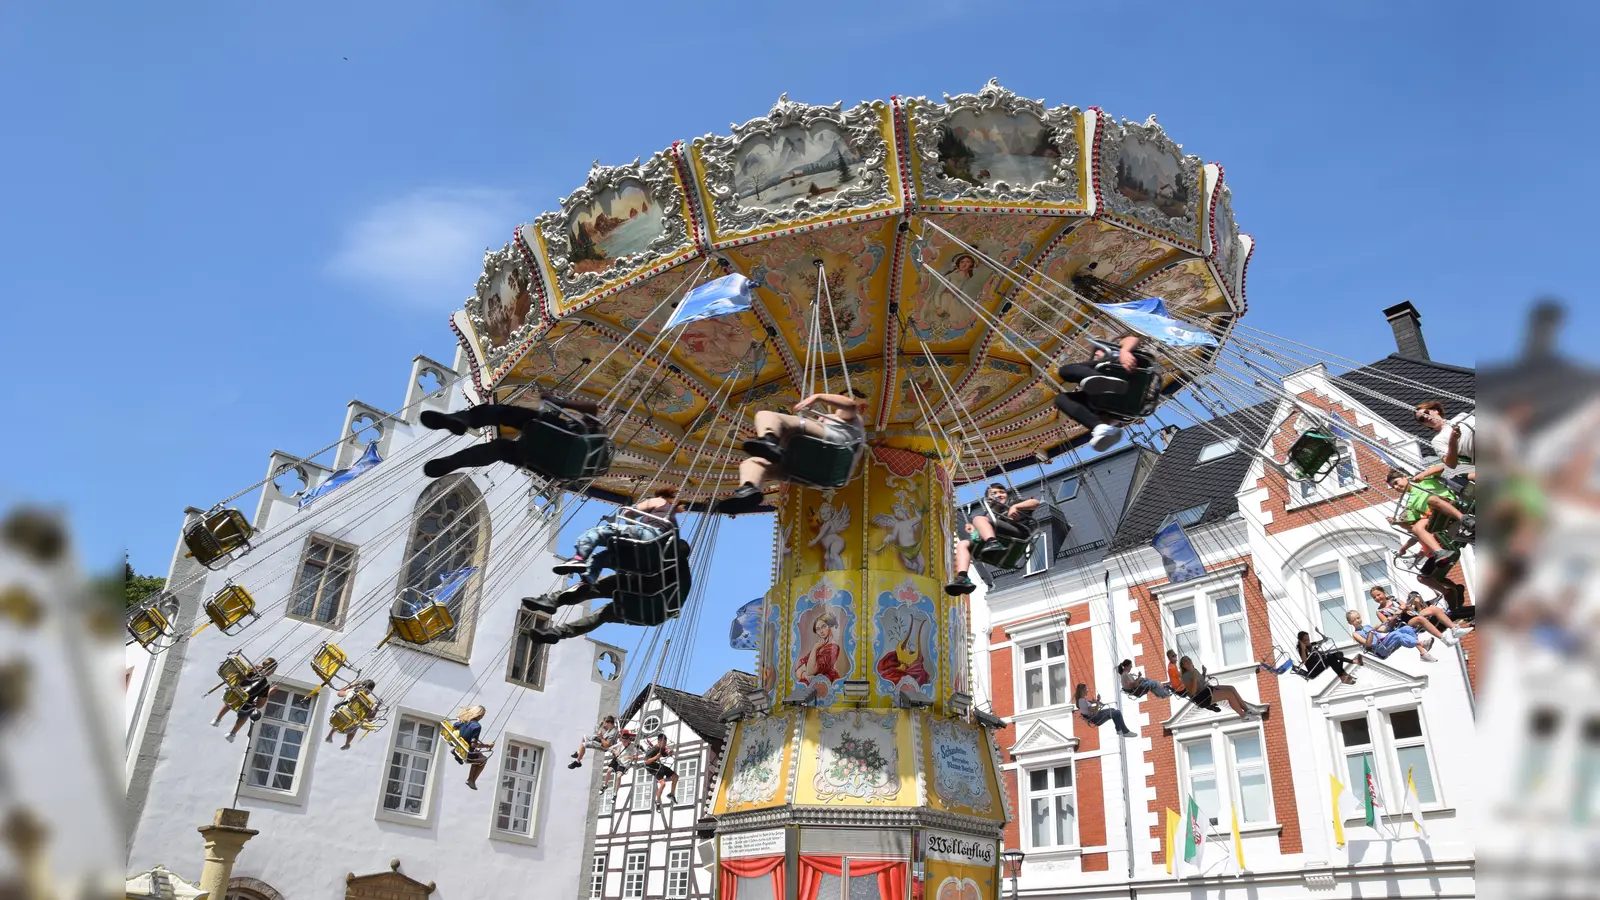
[
  {"x": 841, "y": 424},
  {"x": 490, "y": 414},
  {"x": 1002, "y": 519},
  {"x": 1092, "y": 380}
]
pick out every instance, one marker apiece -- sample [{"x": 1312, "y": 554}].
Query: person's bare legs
[
  {"x": 963, "y": 555},
  {"x": 754, "y": 471},
  {"x": 1440, "y": 504},
  {"x": 349, "y": 738},
  {"x": 220, "y": 713},
  {"x": 475, "y": 771},
  {"x": 984, "y": 527},
  {"x": 238, "y": 723},
  {"x": 1418, "y": 622},
  {"x": 1230, "y": 695},
  {"x": 1419, "y": 530},
  {"x": 1437, "y": 613}
]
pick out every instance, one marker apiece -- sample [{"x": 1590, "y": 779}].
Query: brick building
[{"x": 1280, "y": 557}]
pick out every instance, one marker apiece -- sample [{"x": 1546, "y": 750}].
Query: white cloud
[{"x": 424, "y": 250}]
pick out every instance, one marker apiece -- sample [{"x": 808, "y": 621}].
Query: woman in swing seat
[
  {"x": 1001, "y": 519},
  {"x": 1381, "y": 644},
  {"x": 1137, "y": 685},
  {"x": 663, "y": 504},
  {"x": 1315, "y": 661},
  {"x": 1393, "y": 613},
  {"x": 1096, "y": 713},
  {"x": 469, "y": 727},
  {"x": 256, "y": 686},
  {"x": 841, "y": 424},
  {"x": 366, "y": 684},
  {"x": 1200, "y": 693},
  {"x": 493, "y": 414},
  {"x": 1076, "y": 406}
]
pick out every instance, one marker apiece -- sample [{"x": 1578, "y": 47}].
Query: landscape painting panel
[
  {"x": 1151, "y": 176},
  {"x": 794, "y": 162},
  {"x": 990, "y": 147},
  {"x": 622, "y": 220}
]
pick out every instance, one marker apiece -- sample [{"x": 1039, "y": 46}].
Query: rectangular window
[
  {"x": 633, "y": 874},
  {"x": 1067, "y": 489},
  {"x": 1411, "y": 753},
  {"x": 1044, "y": 674},
  {"x": 1233, "y": 636},
  {"x": 1374, "y": 573},
  {"x": 1250, "y": 778},
  {"x": 643, "y": 785},
  {"x": 688, "y": 789},
  {"x": 1356, "y": 737},
  {"x": 1202, "y": 766},
  {"x": 677, "y": 874},
  {"x": 519, "y": 788},
  {"x": 1039, "y": 553},
  {"x": 527, "y": 657},
  {"x": 1186, "y": 631},
  {"x": 608, "y": 802},
  {"x": 405, "y": 789},
  {"x": 597, "y": 876},
  {"x": 323, "y": 581},
  {"x": 1185, "y": 517},
  {"x": 1344, "y": 477},
  {"x": 1217, "y": 450},
  {"x": 1052, "y": 807},
  {"x": 1328, "y": 589},
  {"x": 279, "y": 746}
]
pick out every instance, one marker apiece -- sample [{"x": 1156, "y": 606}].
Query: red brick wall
[
  {"x": 1279, "y": 765},
  {"x": 1080, "y": 669},
  {"x": 1001, "y": 682},
  {"x": 1091, "y": 802},
  {"x": 1370, "y": 468},
  {"x": 1013, "y": 830}
]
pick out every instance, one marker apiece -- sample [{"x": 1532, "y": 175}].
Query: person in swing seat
[
  {"x": 841, "y": 424},
  {"x": 662, "y": 504},
  {"x": 494, "y": 414},
  {"x": 256, "y": 686},
  {"x": 1198, "y": 692},
  {"x": 1091, "y": 380},
  {"x": 1393, "y": 613},
  {"x": 1452, "y": 439},
  {"x": 605, "y": 734},
  {"x": 618, "y": 757},
  {"x": 655, "y": 762},
  {"x": 1423, "y": 495},
  {"x": 1001, "y": 518},
  {"x": 1097, "y": 713},
  {"x": 1135, "y": 684},
  {"x": 1382, "y": 643},
  {"x": 653, "y": 589},
  {"x": 1314, "y": 661},
  {"x": 366, "y": 684},
  {"x": 469, "y": 726}
]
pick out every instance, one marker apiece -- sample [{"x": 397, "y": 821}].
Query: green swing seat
[
  {"x": 1312, "y": 457},
  {"x": 1006, "y": 553},
  {"x": 819, "y": 462},
  {"x": 647, "y": 591},
  {"x": 565, "y": 445}
]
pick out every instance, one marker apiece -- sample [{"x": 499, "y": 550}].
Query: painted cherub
[
  {"x": 904, "y": 531},
  {"x": 830, "y": 523}
]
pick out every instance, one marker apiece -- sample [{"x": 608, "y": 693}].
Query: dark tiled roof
[
  {"x": 1409, "y": 381},
  {"x": 1179, "y": 482},
  {"x": 1552, "y": 386},
  {"x": 703, "y": 714}
]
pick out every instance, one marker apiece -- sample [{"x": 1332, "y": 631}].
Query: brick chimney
[{"x": 1407, "y": 325}]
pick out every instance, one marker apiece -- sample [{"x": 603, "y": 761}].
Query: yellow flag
[
  {"x": 1238, "y": 845},
  {"x": 1174, "y": 822},
  {"x": 1338, "y": 817}
]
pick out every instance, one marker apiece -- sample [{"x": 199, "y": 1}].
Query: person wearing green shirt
[{"x": 1422, "y": 495}]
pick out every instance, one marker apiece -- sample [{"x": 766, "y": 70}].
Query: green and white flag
[
  {"x": 1372, "y": 801},
  {"x": 1197, "y": 835}
]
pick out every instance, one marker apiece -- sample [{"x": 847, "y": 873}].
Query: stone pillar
[
  {"x": 29, "y": 840},
  {"x": 225, "y": 837}
]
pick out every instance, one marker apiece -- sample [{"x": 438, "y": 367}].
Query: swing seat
[
  {"x": 459, "y": 748},
  {"x": 230, "y": 609},
  {"x": 574, "y": 447},
  {"x": 218, "y": 538},
  {"x": 644, "y": 600},
  {"x": 360, "y": 709},
  {"x": 235, "y": 698},
  {"x": 152, "y": 626},
  {"x": 818, "y": 462},
  {"x": 421, "y": 619},
  {"x": 1137, "y": 402},
  {"x": 1010, "y": 555},
  {"x": 234, "y": 669},
  {"x": 1312, "y": 457},
  {"x": 645, "y": 556},
  {"x": 328, "y": 661}
]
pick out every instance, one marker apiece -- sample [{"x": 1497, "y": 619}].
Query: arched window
[
  {"x": 449, "y": 531},
  {"x": 1337, "y": 573},
  {"x": 251, "y": 889}
]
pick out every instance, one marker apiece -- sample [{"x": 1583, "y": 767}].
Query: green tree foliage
[{"x": 136, "y": 587}]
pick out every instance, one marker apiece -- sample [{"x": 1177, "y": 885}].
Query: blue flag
[
  {"x": 744, "y": 633},
  {"x": 1150, "y": 318},
  {"x": 1177, "y": 554},
  {"x": 720, "y": 297},
  {"x": 343, "y": 476}
]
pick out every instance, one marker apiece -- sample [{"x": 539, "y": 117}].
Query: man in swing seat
[
  {"x": 1001, "y": 519},
  {"x": 662, "y": 505},
  {"x": 653, "y": 605},
  {"x": 841, "y": 424},
  {"x": 1098, "y": 376},
  {"x": 506, "y": 450}
]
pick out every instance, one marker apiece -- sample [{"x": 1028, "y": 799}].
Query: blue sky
[{"x": 223, "y": 221}]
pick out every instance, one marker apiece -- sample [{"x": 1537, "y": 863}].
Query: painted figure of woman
[{"x": 822, "y": 658}]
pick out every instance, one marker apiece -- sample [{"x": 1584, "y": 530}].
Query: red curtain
[
  {"x": 735, "y": 869},
  {"x": 891, "y": 874}
]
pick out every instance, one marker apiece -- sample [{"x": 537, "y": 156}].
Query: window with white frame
[
  {"x": 278, "y": 746},
  {"x": 597, "y": 876},
  {"x": 652, "y": 723},
  {"x": 1217, "y": 450},
  {"x": 642, "y": 784},
  {"x": 405, "y": 788},
  {"x": 677, "y": 874},
  {"x": 1044, "y": 674},
  {"x": 608, "y": 802},
  {"x": 1039, "y": 553},
  {"x": 1185, "y": 517},
  {"x": 1200, "y": 764},
  {"x": 1411, "y": 753},
  {"x": 519, "y": 788},
  {"x": 1210, "y": 627},
  {"x": 1249, "y": 778},
  {"x": 1341, "y": 585},
  {"x": 1233, "y": 634},
  {"x": 1327, "y": 589},
  {"x": 1052, "y": 807},
  {"x": 1227, "y": 771},
  {"x": 633, "y": 872},
  {"x": 1185, "y": 629},
  {"x": 1373, "y": 571},
  {"x": 527, "y": 662},
  {"x": 688, "y": 789},
  {"x": 1355, "y": 736},
  {"x": 323, "y": 582},
  {"x": 1067, "y": 489}
]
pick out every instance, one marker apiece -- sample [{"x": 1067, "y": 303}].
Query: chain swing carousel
[{"x": 882, "y": 245}]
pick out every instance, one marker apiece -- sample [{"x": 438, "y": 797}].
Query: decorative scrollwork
[
  {"x": 944, "y": 181},
  {"x": 814, "y": 138},
  {"x": 1225, "y": 249},
  {"x": 502, "y": 303},
  {"x": 1115, "y": 141},
  {"x": 580, "y": 262}
]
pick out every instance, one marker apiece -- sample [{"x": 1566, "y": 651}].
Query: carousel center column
[{"x": 863, "y": 763}]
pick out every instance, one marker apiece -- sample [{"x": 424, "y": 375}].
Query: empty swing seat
[
  {"x": 218, "y": 537},
  {"x": 1008, "y": 553},
  {"x": 565, "y": 445},
  {"x": 328, "y": 661},
  {"x": 153, "y": 626},
  {"x": 230, "y": 609},
  {"x": 1312, "y": 456},
  {"x": 235, "y": 698},
  {"x": 234, "y": 669},
  {"x": 417, "y": 618}
]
